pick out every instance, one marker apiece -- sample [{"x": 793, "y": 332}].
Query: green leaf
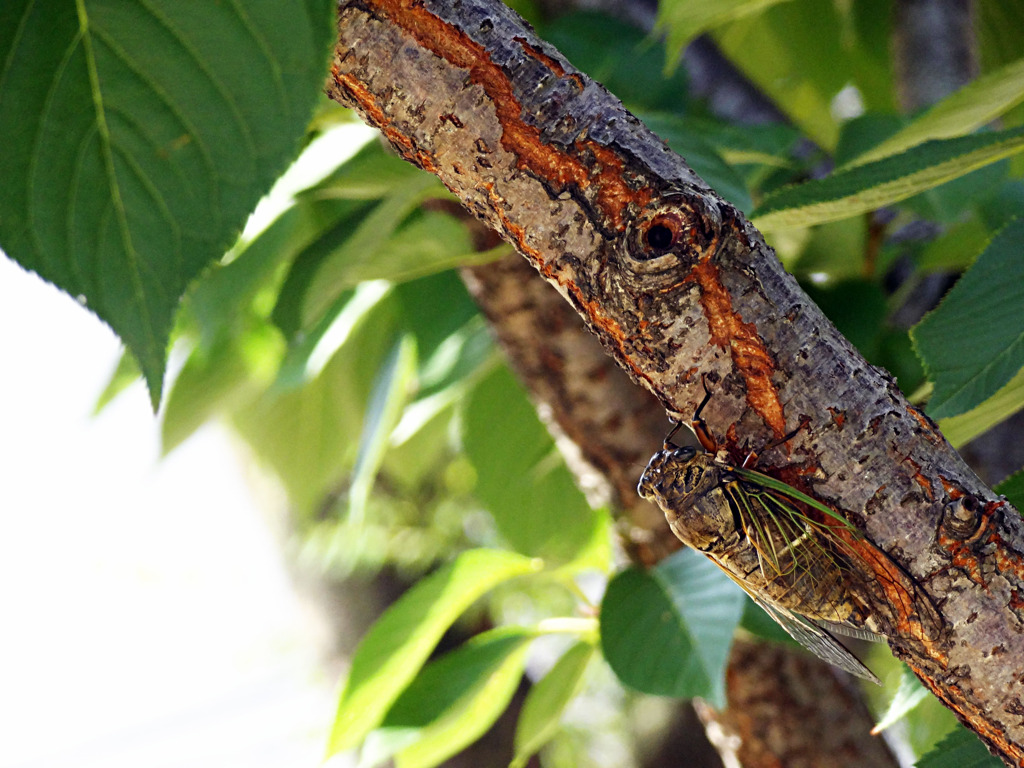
[
  {"x": 217, "y": 379},
  {"x": 884, "y": 182},
  {"x": 960, "y": 113},
  {"x": 972, "y": 344},
  {"x": 960, "y": 749},
  {"x": 306, "y": 429},
  {"x": 455, "y": 699},
  {"x": 686, "y": 610},
  {"x": 547, "y": 700},
  {"x": 138, "y": 136},
  {"x": 796, "y": 54},
  {"x": 390, "y": 392},
  {"x": 909, "y": 694},
  {"x": 392, "y": 652},
  {"x": 521, "y": 478},
  {"x": 1013, "y": 489},
  {"x": 330, "y": 276},
  {"x": 683, "y": 20},
  {"x": 960, "y": 430},
  {"x": 123, "y": 376}
]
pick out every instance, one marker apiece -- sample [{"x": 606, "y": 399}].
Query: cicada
[{"x": 796, "y": 558}]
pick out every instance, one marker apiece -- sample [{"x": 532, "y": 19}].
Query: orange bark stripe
[
  {"x": 749, "y": 354},
  {"x": 556, "y": 166}
]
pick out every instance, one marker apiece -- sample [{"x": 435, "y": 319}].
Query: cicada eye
[{"x": 686, "y": 453}]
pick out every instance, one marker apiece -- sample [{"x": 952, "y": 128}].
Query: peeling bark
[{"x": 677, "y": 284}]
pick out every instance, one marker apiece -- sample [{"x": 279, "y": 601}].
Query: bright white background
[{"x": 145, "y": 615}]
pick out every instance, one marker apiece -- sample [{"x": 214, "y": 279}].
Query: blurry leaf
[
  {"x": 329, "y": 278},
  {"x": 871, "y": 186},
  {"x": 372, "y": 173},
  {"x": 123, "y": 376},
  {"x": 909, "y": 694},
  {"x": 858, "y": 310},
  {"x": 139, "y": 136},
  {"x": 972, "y": 344},
  {"x": 963, "y": 428},
  {"x": 683, "y": 20},
  {"x": 219, "y": 297},
  {"x": 216, "y": 378},
  {"x": 795, "y": 53},
  {"x": 308, "y": 432},
  {"x": 701, "y": 157},
  {"x": 454, "y": 700},
  {"x": 522, "y": 480},
  {"x": 956, "y": 248},
  {"x": 621, "y": 57},
  {"x": 685, "y": 610},
  {"x": 835, "y": 250},
  {"x": 311, "y": 350},
  {"x": 960, "y": 749},
  {"x": 973, "y": 106},
  {"x": 390, "y": 392},
  {"x": 392, "y": 652},
  {"x": 436, "y": 308},
  {"x": 760, "y": 624},
  {"x": 1013, "y": 489},
  {"x": 868, "y": 28},
  {"x": 547, "y": 700}
]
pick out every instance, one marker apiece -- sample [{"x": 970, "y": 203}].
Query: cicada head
[{"x": 687, "y": 485}]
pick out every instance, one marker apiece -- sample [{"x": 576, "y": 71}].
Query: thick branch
[
  {"x": 676, "y": 284},
  {"x": 784, "y": 706}
]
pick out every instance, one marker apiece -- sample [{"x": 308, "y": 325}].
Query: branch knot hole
[{"x": 674, "y": 233}]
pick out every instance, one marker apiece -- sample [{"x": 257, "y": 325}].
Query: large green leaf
[
  {"x": 392, "y": 652},
  {"x": 686, "y": 610},
  {"x": 969, "y": 108},
  {"x": 884, "y": 182},
  {"x": 138, "y": 136},
  {"x": 972, "y": 344}
]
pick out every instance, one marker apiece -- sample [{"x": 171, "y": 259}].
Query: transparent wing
[
  {"x": 817, "y": 640},
  {"x": 811, "y": 636}
]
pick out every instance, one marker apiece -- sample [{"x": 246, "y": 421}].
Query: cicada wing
[
  {"x": 817, "y": 640},
  {"x": 859, "y": 633}
]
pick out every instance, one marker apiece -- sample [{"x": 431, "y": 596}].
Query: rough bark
[
  {"x": 614, "y": 424},
  {"x": 677, "y": 284}
]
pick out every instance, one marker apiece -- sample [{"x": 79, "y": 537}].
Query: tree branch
[{"x": 589, "y": 196}]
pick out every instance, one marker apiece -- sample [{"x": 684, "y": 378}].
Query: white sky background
[{"x": 145, "y": 614}]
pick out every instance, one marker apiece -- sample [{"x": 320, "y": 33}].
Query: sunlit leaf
[
  {"x": 972, "y": 344},
  {"x": 961, "y": 429},
  {"x": 960, "y": 113},
  {"x": 908, "y": 695},
  {"x": 1013, "y": 489},
  {"x": 393, "y": 651},
  {"x": 683, "y": 20},
  {"x": 138, "y": 136},
  {"x": 454, "y": 700},
  {"x": 884, "y": 182},
  {"x": 547, "y": 700}
]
